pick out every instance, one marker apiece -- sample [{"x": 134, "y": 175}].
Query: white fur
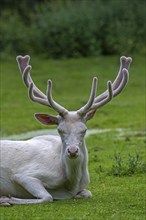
[{"x": 39, "y": 169}]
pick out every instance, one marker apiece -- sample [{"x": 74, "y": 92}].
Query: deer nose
[{"x": 72, "y": 151}]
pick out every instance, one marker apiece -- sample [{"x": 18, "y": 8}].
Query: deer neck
[{"x": 75, "y": 168}]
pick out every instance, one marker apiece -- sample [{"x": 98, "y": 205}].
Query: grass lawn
[{"x": 116, "y": 163}]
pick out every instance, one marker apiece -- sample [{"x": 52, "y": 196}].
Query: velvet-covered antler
[{"x": 113, "y": 89}]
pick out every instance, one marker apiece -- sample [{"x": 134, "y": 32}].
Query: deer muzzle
[{"x": 72, "y": 151}]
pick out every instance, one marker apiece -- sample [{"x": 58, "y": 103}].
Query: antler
[
  {"x": 113, "y": 88},
  {"x": 34, "y": 93}
]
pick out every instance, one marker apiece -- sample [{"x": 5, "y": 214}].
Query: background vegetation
[{"x": 65, "y": 28}]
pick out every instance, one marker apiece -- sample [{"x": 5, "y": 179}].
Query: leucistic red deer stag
[{"x": 46, "y": 168}]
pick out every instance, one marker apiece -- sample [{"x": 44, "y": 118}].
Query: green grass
[
  {"x": 114, "y": 198},
  {"x": 119, "y": 196}
]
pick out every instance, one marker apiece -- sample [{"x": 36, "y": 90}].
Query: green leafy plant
[{"x": 132, "y": 165}]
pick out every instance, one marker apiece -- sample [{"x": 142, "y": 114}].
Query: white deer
[{"x": 47, "y": 168}]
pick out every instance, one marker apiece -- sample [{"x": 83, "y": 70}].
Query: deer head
[{"x": 71, "y": 124}]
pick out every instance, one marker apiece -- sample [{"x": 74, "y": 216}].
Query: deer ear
[
  {"x": 90, "y": 115},
  {"x": 46, "y": 119}
]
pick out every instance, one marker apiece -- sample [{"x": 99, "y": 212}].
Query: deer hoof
[
  {"x": 83, "y": 194},
  {"x": 5, "y": 202}
]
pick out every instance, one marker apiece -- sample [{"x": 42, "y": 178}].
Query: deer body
[
  {"x": 44, "y": 160},
  {"x": 49, "y": 167},
  {"x": 45, "y": 165}
]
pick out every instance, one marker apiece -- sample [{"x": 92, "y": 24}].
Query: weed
[
  {"x": 132, "y": 165},
  {"x": 99, "y": 169}
]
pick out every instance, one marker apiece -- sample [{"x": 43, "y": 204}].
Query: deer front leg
[
  {"x": 34, "y": 187},
  {"x": 83, "y": 194}
]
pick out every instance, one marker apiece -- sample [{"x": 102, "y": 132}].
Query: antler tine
[
  {"x": 88, "y": 105},
  {"x": 61, "y": 110},
  {"x": 34, "y": 93},
  {"x": 118, "y": 82},
  {"x": 35, "y": 98},
  {"x": 107, "y": 99},
  {"x": 125, "y": 63},
  {"x": 122, "y": 84},
  {"x": 28, "y": 80},
  {"x": 26, "y": 76},
  {"x": 22, "y": 62}
]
